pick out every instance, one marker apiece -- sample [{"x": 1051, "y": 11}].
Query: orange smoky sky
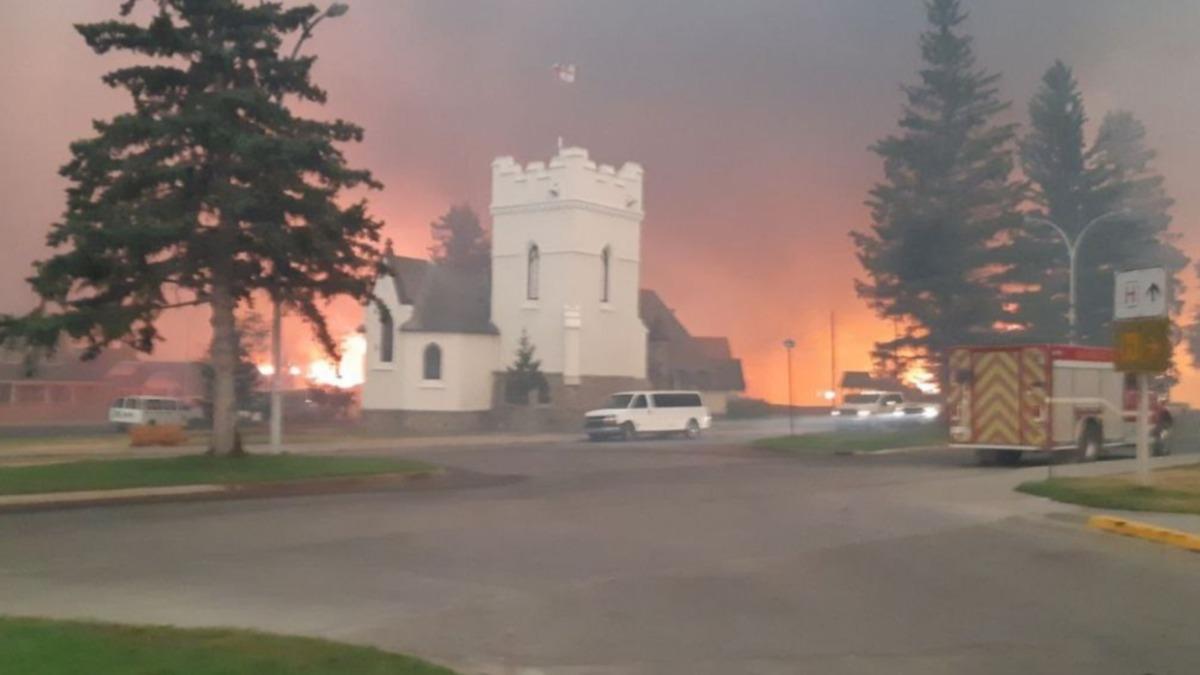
[{"x": 752, "y": 119}]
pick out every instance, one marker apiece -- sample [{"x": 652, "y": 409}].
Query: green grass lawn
[
  {"x": 193, "y": 470},
  {"x": 1175, "y": 490},
  {"x": 251, "y": 434},
  {"x": 866, "y": 439},
  {"x": 40, "y": 647}
]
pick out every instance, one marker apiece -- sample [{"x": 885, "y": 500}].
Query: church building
[{"x": 565, "y": 273}]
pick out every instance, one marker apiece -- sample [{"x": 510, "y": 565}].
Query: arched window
[
  {"x": 605, "y": 271},
  {"x": 387, "y": 337},
  {"x": 532, "y": 273},
  {"x": 432, "y": 362}
]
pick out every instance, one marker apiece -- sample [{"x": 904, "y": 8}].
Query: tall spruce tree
[
  {"x": 1073, "y": 186},
  {"x": 208, "y": 192},
  {"x": 947, "y": 194},
  {"x": 1192, "y": 334},
  {"x": 1063, "y": 191},
  {"x": 459, "y": 239},
  {"x": 1142, "y": 237}
]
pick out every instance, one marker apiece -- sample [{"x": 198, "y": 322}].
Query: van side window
[
  {"x": 639, "y": 402},
  {"x": 677, "y": 401}
]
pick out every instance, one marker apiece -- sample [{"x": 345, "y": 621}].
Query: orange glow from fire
[{"x": 348, "y": 372}]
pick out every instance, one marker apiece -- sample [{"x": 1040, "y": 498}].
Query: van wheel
[
  {"x": 692, "y": 430},
  {"x": 628, "y": 432},
  {"x": 1091, "y": 443}
]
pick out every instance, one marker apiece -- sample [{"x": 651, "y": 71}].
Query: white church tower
[{"x": 566, "y": 257}]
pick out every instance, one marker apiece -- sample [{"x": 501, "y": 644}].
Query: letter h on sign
[{"x": 1131, "y": 293}]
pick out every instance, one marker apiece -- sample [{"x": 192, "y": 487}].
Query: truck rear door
[{"x": 995, "y": 405}]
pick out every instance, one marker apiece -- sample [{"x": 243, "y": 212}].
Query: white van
[
  {"x": 132, "y": 411},
  {"x": 630, "y": 413}
]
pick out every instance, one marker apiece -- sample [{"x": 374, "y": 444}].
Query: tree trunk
[{"x": 225, "y": 440}]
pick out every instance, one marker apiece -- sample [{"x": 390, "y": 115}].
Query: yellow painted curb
[{"x": 1132, "y": 528}]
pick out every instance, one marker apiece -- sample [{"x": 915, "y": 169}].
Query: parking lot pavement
[{"x": 649, "y": 557}]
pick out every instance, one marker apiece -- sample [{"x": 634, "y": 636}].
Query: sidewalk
[{"x": 1177, "y": 529}]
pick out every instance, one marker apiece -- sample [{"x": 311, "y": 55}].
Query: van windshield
[{"x": 620, "y": 401}]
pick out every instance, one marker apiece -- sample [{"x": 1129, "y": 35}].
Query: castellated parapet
[{"x": 570, "y": 177}]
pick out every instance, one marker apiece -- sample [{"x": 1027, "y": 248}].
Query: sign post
[{"x": 1142, "y": 336}]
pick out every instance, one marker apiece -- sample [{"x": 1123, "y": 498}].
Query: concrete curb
[
  {"x": 1133, "y": 528},
  {"x": 51, "y": 498},
  {"x": 184, "y": 493}
]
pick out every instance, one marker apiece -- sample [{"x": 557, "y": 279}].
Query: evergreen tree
[
  {"x": 1110, "y": 189},
  {"x": 1053, "y": 158},
  {"x": 460, "y": 240},
  {"x": 525, "y": 375},
  {"x": 252, "y": 334},
  {"x": 947, "y": 194},
  {"x": 1192, "y": 334},
  {"x": 209, "y": 191},
  {"x": 1140, "y": 237}
]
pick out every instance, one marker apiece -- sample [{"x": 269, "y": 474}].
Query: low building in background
[
  {"x": 38, "y": 388},
  {"x": 679, "y": 360}
]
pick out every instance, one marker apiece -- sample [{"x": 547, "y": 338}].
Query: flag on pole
[{"x": 565, "y": 72}]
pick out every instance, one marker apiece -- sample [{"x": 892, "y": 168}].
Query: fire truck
[{"x": 1007, "y": 400}]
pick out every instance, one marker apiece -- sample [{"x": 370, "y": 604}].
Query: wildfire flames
[
  {"x": 320, "y": 370},
  {"x": 920, "y": 378}
]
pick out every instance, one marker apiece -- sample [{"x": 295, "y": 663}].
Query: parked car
[
  {"x": 132, "y": 411},
  {"x": 883, "y": 404},
  {"x": 631, "y": 413}
]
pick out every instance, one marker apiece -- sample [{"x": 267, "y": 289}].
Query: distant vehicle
[
  {"x": 631, "y": 413},
  {"x": 882, "y": 404},
  {"x": 1005, "y": 401},
  {"x": 132, "y": 411}
]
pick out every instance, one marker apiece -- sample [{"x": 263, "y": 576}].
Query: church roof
[
  {"x": 679, "y": 359},
  {"x": 661, "y": 323},
  {"x": 445, "y": 298}
]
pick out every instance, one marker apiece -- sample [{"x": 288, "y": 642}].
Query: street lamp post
[
  {"x": 1073, "y": 249},
  {"x": 790, "y": 344},
  {"x": 276, "y": 419}
]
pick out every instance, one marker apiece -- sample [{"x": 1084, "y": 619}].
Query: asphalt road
[{"x": 652, "y": 557}]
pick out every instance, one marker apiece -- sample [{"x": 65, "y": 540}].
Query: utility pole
[
  {"x": 833, "y": 355},
  {"x": 276, "y": 376},
  {"x": 334, "y": 10},
  {"x": 788, "y": 345}
]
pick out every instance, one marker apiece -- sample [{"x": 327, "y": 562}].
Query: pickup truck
[{"x": 882, "y": 404}]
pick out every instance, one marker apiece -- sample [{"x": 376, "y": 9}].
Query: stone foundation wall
[
  {"x": 423, "y": 422},
  {"x": 564, "y": 412},
  {"x": 567, "y": 403}
]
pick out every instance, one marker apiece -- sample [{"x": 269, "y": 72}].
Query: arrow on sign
[{"x": 1154, "y": 291}]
